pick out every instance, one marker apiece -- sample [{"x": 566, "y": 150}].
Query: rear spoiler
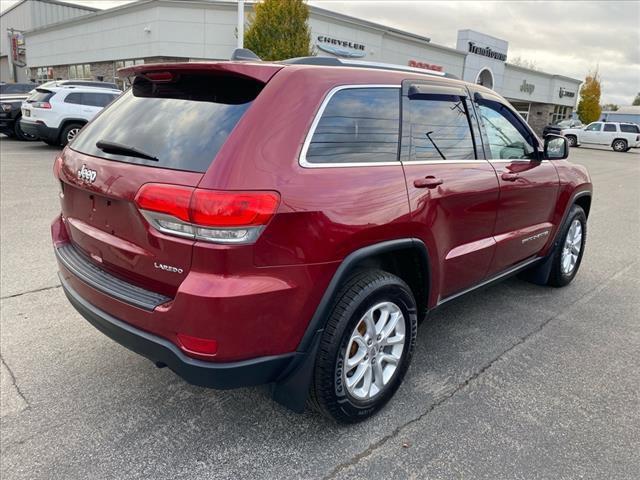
[{"x": 259, "y": 71}]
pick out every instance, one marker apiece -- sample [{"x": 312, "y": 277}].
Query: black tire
[
  {"x": 363, "y": 291},
  {"x": 558, "y": 277},
  {"x": 573, "y": 140},
  {"x": 67, "y": 131},
  {"x": 19, "y": 133},
  {"x": 619, "y": 145}
]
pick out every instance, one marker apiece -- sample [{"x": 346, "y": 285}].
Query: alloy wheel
[
  {"x": 374, "y": 351},
  {"x": 71, "y": 134},
  {"x": 571, "y": 248}
]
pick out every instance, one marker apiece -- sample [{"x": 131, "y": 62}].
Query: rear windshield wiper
[{"x": 120, "y": 149}]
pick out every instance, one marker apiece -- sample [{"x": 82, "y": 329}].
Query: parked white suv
[
  {"x": 56, "y": 114},
  {"x": 619, "y": 136}
]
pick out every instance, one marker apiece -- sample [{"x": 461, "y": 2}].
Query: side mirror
[{"x": 556, "y": 147}]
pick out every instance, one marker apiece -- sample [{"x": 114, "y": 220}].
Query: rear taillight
[
  {"x": 46, "y": 105},
  {"x": 209, "y": 215}
]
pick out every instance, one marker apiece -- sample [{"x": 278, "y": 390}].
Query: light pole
[{"x": 240, "y": 23}]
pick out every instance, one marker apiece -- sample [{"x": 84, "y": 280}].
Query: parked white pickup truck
[{"x": 619, "y": 136}]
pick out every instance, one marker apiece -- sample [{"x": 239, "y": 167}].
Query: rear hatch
[
  {"x": 166, "y": 129},
  {"x": 39, "y": 100}
]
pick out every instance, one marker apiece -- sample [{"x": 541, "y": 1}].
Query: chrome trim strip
[
  {"x": 302, "y": 159},
  {"x": 495, "y": 278},
  {"x": 438, "y": 162}
]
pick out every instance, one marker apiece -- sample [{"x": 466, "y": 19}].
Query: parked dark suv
[
  {"x": 291, "y": 223},
  {"x": 11, "y": 97}
]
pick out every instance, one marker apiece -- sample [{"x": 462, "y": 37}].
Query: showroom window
[
  {"x": 560, "y": 113},
  {"x": 80, "y": 72},
  {"x": 358, "y": 125},
  {"x": 44, "y": 74}
]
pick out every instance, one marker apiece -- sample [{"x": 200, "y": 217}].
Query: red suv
[{"x": 291, "y": 223}]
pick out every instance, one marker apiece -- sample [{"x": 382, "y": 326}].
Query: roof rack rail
[{"x": 338, "y": 62}]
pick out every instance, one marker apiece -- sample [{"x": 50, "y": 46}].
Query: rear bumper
[
  {"x": 162, "y": 352},
  {"x": 39, "y": 130}
]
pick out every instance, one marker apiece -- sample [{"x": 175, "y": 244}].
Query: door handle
[
  {"x": 427, "y": 182},
  {"x": 510, "y": 177}
]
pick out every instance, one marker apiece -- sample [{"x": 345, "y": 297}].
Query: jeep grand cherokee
[{"x": 290, "y": 223}]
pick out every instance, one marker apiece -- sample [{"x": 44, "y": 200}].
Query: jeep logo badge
[{"x": 87, "y": 175}]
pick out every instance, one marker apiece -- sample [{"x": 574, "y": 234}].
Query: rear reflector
[
  {"x": 201, "y": 346},
  {"x": 209, "y": 215}
]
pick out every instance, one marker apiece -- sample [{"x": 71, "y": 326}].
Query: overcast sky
[{"x": 565, "y": 37}]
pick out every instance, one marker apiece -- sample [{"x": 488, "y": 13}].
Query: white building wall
[
  {"x": 385, "y": 47},
  {"x": 27, "y": 16}
]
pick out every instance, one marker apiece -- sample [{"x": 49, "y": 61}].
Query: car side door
[
  {"x": 609, "y": 133},
  {"x": 591, "y": 133},
  {"x": 453, "y": 190},
  {"x": 528, "y": 184}
]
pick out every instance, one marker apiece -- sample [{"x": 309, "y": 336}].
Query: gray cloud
[{"x": 569, "y": 38}]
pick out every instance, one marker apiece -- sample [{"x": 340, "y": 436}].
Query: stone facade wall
[
  {"x": 539, "y": 116},
  {"x": 106, "y": 70}
]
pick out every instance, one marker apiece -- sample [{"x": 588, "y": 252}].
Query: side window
[
  {"x": 629, "y": 128},
  {"x": 505, "y": 140},
  {"x": 609, "y": 127},
  {"x": 74, "y": 98},
  {"x": 357, "y": 125},
  {"x": 97, "y": 99},
  {"x": 436, "y": 128},
  {"x": 594, "y": 127}
]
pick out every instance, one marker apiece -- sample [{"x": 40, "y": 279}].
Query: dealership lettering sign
[
  {"x": 341, "y": 48},
  {"x": 487, "y": 52},
  {"x": 527, "y": 87},
  {"x": 428, "y": 66},
  {"x": 565, "y": 93}
]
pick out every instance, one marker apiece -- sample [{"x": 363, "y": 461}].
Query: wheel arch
[
  {"x": 67, "y": 121},
  {"x": 619, "y": 138},
  {"x": 407, "y": 258}
]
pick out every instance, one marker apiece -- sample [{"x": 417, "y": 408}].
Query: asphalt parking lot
[{"x": 515, "y": 381}]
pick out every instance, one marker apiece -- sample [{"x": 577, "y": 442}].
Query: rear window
[
  {"x": 609, "y": 127},
  {"x": 183, "y": 123},
  {"x": 630, "y": 128},
  {"x": 90, "y": 98},
  {"x": 40, "y": 96}
]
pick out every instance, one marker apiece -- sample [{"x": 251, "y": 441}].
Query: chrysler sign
[{"x": 341, "y": 48}]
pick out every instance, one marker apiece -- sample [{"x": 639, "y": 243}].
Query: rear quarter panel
[{"x": 325, "y": 213}]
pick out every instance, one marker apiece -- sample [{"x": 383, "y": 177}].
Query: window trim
[{"x": 302, "y": 159}]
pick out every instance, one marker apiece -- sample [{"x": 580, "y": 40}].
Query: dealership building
[{"x": 94, "y": 45}]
